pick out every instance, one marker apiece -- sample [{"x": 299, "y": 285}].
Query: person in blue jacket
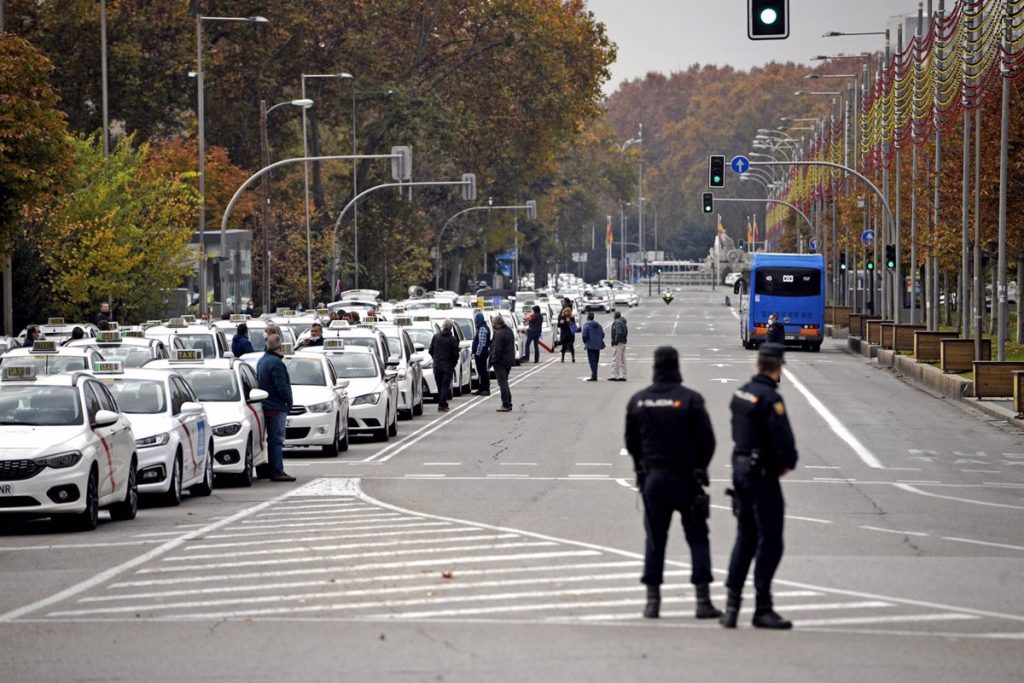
[
  {"x": 240, "y": 344},
  {"x": 273, "y": 378},
  {"x": 593, "y": 342}
]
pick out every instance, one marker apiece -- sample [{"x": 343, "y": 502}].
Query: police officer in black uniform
[
  {"x": 764, "y": 451},
  {"x": 669, "y": 436}
]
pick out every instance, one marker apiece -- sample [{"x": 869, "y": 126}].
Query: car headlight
[
  {"x": 152, "y": 441},
  {"x": 59, "y": 460},
  {"x": 324, "y": 407},
  {"x": 229, "y": 429},
  {"x": 365, "y": 399}
]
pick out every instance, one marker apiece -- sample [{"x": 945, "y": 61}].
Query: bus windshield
[{"x": 788, "y": 282}]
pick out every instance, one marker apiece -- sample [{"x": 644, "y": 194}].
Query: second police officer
[
  {"x": 764, "y": 451},
  {"x": 669, "y": 436}
]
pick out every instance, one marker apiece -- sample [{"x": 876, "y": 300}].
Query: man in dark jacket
[
  {"x": 535, "y": 322},
  {"x": 503, "y": 357},
  {"x": 669, "y": 436},
  {"x": 620, "y": 333},
  {"x": 593, "y": 342},
  {"x": 764, "y": 451},
  {"x": 776, "y": 331},
  {"x": 315, "y": 338},
  {"x": 240, "y": 344},
  {"x": 444, "y": 350},
  {"x": 481, "y": 351},
  {"x": 273, "y": 378},
  {"x": 103, "y": 315}
]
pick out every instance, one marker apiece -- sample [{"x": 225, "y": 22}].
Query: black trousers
[
  {"x": 444, "y": 378},
  {"x": 666, "y": 492},
  {"x": 483, "y": 374},
  {"x": 758, "y": 526},
  {"x": 501, "y": 375}
]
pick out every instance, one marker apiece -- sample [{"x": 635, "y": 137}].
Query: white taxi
[
  {"x": 373, "y": 388},
  {"x": 172, "y": 433},
  {"x": 406, "y": 361},
  {"x": 210, "y": 340},
  {"x": 65, "y": 449},
  {"x": 463, "y": 379},
  {"x": 320, "y": 407},
  {"x": 421, "y": 330},
  {"x": 50, "y": 359},
  {"x": 130, "y": 349},
  {"x": 229, "y": 392}
]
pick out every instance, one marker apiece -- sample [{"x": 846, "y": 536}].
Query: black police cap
[
  {"x": 666, "y": 358},
  {"x": 771, "y": 350}
]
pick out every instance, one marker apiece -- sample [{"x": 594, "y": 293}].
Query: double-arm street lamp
[
  {"x": 265, "y": 183},
  {"x": 201, "y": 115},
  {"x": 531, "y": 213}
]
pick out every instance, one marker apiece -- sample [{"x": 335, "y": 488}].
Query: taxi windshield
[
  {"x": 200, "y": 341},
  {"x": 421, "y": 337},
  {"x": 130, "y": 356},
  {"x": 49, "y": 364},
  {"x": 305, "y": 371},
  {"x": 211, "y": 384},
  {"x": 138, "y": 396},
  {"x": 350, "y": 365},
  {"x": 365, "y": 342},
  {"x": 466, "y": 326},
  {"x": 40, "y": 406},
  {"x": 395, "y": 344},
  {"x": 258, "y": 338}
]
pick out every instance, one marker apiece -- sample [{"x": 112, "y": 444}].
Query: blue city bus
[{"x": 792, "y": 286}]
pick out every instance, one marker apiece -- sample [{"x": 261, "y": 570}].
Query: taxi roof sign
[
  {"x": 132, "y": 333},
  {"x": 113, "y": 325},
  {"x": 323, "y": 312},
  {"x": 44, "y": 346},
  {"x": 443, "y": 306},
  {"x": 421, "y": 318},
  {"x": 177, "y": 322},
  {"x": 188, "y": 318},
  {"x": 153, "y": 323},
  {"x": 238, "y": 317},
  {"x": 338, "y": 325},
  {"x": 280, "y": 310},
  {"x": 402, "y": 320},
  {"x": 108, "y": 367},
  {"x": 108, "y": 336},
  {"x": 287, "y": 349},
  {"x": 186, "y": 355},
  {"x": 18, "y": 373},
  {"x": 334, "y": 344},
  {"x": 54, "y": 322}
]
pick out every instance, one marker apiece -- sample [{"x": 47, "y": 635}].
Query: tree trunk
[
  {"x": 1019, "y": 336},
  {"x": 947, "y": 308},
  {"x": 455, "y": 274}
]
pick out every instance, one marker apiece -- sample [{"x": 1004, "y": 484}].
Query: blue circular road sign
[{"x": 740, "y": 163}]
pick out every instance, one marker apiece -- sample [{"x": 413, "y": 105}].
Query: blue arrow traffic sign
[
  {"x": 813, "y": 244},
  {"x": 740, "y": 163},
  {"x": 867, "y": 237}
]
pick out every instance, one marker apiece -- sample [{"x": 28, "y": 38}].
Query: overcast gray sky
[{"x": 671, "y": 35}]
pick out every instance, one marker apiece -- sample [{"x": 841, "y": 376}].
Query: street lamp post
[
  {"x": 305, "y": 168},
  {"x": 201, "y": 115},
  {"x": 265, "y": 186}
]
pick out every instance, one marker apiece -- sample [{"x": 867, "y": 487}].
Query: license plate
[
  {"x": 6, "y": 490},
  {"x": 288, "y": 422}
]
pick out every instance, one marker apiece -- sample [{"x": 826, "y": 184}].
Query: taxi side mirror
[
  {"x": 416, "y": 357},
  {"x": 257, "y": 395},
  {"x": 191, "y": 408},
  {"x": 419, "y": 347},
  {"x": 341, "y": 383},
  {"x": 394, "y": 361},
  {"x": 104, "y": 418}
]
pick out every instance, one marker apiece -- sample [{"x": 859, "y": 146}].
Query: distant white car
[
  {"x": 320, "y": 406},
  {"x": 50, "y": 359},
  {"x": 373, "y": 388},
  {"x": 210, "y": 340},
  {"x": 732, "y": 278}
]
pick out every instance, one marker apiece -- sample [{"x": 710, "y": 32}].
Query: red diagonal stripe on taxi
[
  {"x": 188, "y": 438},
  {"x": 110, "y": 461}
]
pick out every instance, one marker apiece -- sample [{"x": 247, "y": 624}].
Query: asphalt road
[{"x": 480, "y": 546}]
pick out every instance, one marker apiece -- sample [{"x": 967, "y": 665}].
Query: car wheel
[
  {"x": 393, "y": 429},
  {"x": 343, "y": 444},
  {"x": 331, "y": 449},
  {"x": 87, "y": 519},
  {"x": 418, "y": 408},
  {"x": 129, "y": 507},
  {"x": 244, "y": 478},
  {"x": 205, "y": 487},
  {"x": 382, "y": 434},
  {"x": 172, "y": 496}
]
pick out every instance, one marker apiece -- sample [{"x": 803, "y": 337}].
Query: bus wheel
[{"x": 816, "y": 347}]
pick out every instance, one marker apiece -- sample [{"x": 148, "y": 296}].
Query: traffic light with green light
[
  {"x": 767, "y": 19},
  {"x": 842, "y": 260},
  {"x": 870, "y": 265},
  {"x": 716, "y": 170},
  {"x": 890, "y": 256},
  {"x": 709, "y": 202}
]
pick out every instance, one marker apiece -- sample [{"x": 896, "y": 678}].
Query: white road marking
[
  {"x": 844, "y": 621},
  {"x": 270, "y": 524},
  {"x": 593, "y": 464},
  {"x": 834, "y": 424},
  {"x": 822, "y": 467},
  {"x": 153, "y": 554},
  {"x": 984, "y": 543},
  {"x": 404, "y": 530},
  {"x": 442, "y": 464},
  {"x": 76, "y": 546},
  {"x": 911, "y": 489},
  {"x": 918, "y": 481},
  {"x": 517, "y": 464},
  {"x": 290, "y": 533},
  {"x": 807, "y": 519},
  {"x": 507, "y": 476},
  {"x": 895, "y": 531},
  {"x": 836, "y": 479},
  {"x": 824, "y": 606},
  {"x": 588, "y": 476},
  {"x": 424, "y": 476},
  {"x": 982, "y": 471}
]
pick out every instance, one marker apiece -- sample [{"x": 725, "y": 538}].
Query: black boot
[
  {"x": 732, "y": 609},
  {"x": 705, "y": 610},
  {"x": 766, "y": 617},
  {"x": 653, "y": 607}
]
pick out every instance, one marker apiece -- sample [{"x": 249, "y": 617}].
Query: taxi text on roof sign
[
  {"x": 323, "y": 312},
  {"x": 14, "y": 373},
  {"x": 108, "y": 337},
  {"x": 44, "y": 346},
  {"x": 108, "y": 367},
  {"x": 186, "y": 355},
  {"x": 54, "y": 322},
  {"x": 338, "y": 325},
  {"x": 177, "y": 322},
  {"x": 238, "y": 317},
  {"x": 333, "y": 344},
  {"x": 112, "y": 325},
  {"x": 189, "y": 318},
  {"x": 132, "y": 333},
  {"x": 280, "y": 310}
]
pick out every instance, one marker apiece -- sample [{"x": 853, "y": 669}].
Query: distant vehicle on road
[{"x": 792, "y": 287}]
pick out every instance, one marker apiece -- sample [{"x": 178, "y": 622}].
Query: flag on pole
[
  {"x": 608, "y": 232},
  {"x": 757, "y": 233},
  {"x": 750, "y": 229}
]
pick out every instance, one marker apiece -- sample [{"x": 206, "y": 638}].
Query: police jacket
[
  {"x": 667, "y": 427},
  {"x": 273, "y": 378},
  {"x": 240, "y": 345},
  {"x": 444, "y": 349},
  {"x": 619, "y": 331},
  {"x": 503, "y": 348},
  {"x": 777, "y": 333},
  {"x": 760, "y": 423}
]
